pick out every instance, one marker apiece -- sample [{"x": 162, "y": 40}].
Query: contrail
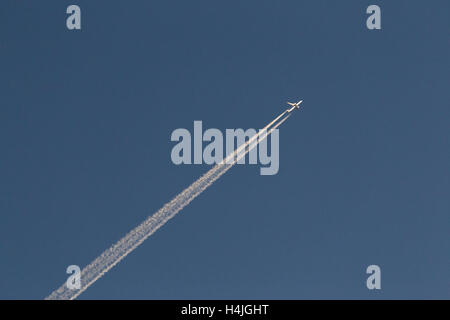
[{"x": 110, "y": 257}]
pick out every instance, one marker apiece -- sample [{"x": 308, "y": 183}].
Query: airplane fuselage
[
  {"x": 294, "y": 105},
  {"x": 293, "y": 108}
]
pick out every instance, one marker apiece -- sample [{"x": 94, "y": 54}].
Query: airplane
[{"x": 294, "y": 105}]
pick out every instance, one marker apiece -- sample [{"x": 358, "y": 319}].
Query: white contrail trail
[{"x": 110, "y": 257}]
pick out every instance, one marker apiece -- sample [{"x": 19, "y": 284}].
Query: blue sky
[{"x": 85, "y": 124}]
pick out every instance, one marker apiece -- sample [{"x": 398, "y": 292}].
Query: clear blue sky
[{"x": 85, "y": 124}]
